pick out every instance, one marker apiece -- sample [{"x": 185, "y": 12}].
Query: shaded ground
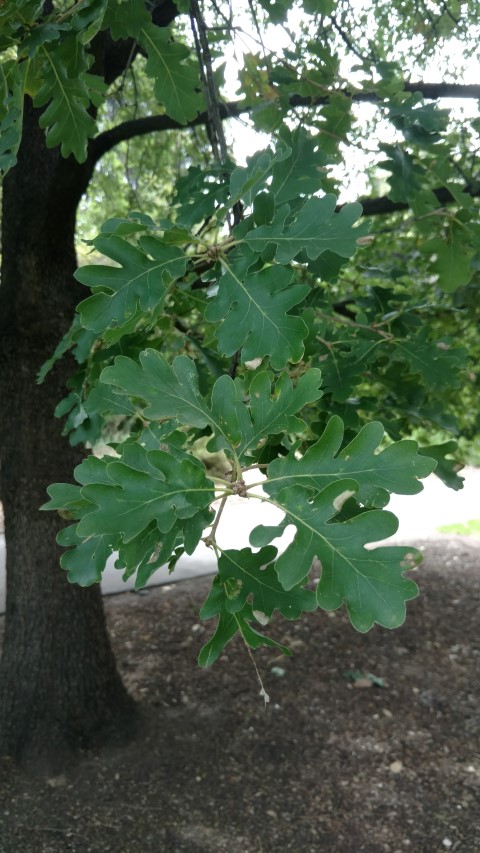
[{"x": 326, "y": 767}]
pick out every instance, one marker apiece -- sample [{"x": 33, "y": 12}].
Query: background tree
[{"x": 382, "y": 330}]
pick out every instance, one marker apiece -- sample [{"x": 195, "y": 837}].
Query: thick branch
[
  {"x": 444, "y": 90},
  {"x": 382, "y": 205},
  {"x": 153, "y": 124}
]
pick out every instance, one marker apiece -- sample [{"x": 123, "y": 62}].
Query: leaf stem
[
  {"x": 224, "y": 482},
  {"x": 253, "y": 485},
  {"x": 210, "y": 540},
  {"x": 263, "y": 692}
]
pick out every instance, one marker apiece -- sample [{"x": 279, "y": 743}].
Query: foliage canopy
[{"x": 252, "y": 306}]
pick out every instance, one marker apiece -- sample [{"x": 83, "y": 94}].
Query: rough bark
[{"x": 59, "y": 687}]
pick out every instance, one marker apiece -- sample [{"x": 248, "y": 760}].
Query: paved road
[{"x": 420, "y": 516}]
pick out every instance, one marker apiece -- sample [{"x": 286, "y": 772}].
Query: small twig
[
  {"x": 325, "y": 343},
  {"x": 214, "y": 124},
  {"x": 210, "y": 540},
  {"x": 346, "y": 39},
  {"x": 263, "y": 692},
  {"x": 346, "y": 321}
]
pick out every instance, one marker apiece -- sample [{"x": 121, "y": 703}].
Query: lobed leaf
[
  {"x": 302, "y": 171},
  {"x": 315, "y": 229},
  {"x": 230, "y": 624},
  {"x": 172, "y": 391},
  {"x": 252, "y": 309},
  {"x": 397, "y": 468},
  {"x": 145, "y": 486},
  {"x": 438, "y": 362},
  {"x": 65, "y": 91},
  {"x": 247, "y": 576},
  {"x": 278, "y": 413},
  {"x": 177, "y": 79},
  {"x": 141, "y": 279},
  {"x": 371, "y": 582},
  {"x": 126, "y": 18}
]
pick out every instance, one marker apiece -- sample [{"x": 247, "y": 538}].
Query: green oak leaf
[
  {"x": 81, "y": 339},
  {"x": 395, "y": 469},
  {"x": 438, "y": 362},
  {"x": 126, "y": 18},
  {"x": 177, "y": 79},
  {"x": 64, "y": 90},
  {"x": 247, "y": 575},
  {"x": 247, "y": 181},
  {"x": 145, "y": 486},
  {"x": 405, "y": 174},
  {"x": 277, "y": 413},
  {"x": 334, "y": 123},
  {"x": 371, "y": 582},
  {"x": 169, "y": 390},
  {"x": 153, "y": 545},
  {"x": 103, "y": 400},
  {"x": 230, "y": 624},
  {"x": 315, "y": 229},
  {"x": 67, "y": 498},
  {"x": 87, "y": 21},
  {"x": 200, "y": 193},
  {"x": 452, "y": 261},
  {"x": 446, "y": 469},
  {"x": 172, "y": 391},
  {"x": 302, "y": 171},
  {"x": 252, "y": 309},
  {"x": 85, "y": 561},
  {"x": 142, "y": 278},
  {"x": 342, "y": 371},
  {"x": 146, "y": 553},
  {"x": 420, "y": 123},
  {"x": 327, "y": 266}
]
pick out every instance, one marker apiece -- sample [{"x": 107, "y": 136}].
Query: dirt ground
[{"x": 329, "y": 765}]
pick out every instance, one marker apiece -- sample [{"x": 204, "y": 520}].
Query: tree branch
[
  {"x": 153, "y": 124},
  {"x": 444, "y": 90},
  {"x": 382, "y": 205}
]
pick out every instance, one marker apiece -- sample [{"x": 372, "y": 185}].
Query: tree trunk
[{"x": 59, "y": 687}]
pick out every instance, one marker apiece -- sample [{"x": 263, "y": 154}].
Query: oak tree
[{"x": 330, "y": 345}]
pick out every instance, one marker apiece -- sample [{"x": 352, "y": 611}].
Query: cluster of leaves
[
  {"x": 52, "y": 61},
  {"x": 242, "y": 318},
  {"x": 253, "y": 291}
]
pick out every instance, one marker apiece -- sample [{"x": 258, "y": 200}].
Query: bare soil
[{"x": 329, "y": 765}]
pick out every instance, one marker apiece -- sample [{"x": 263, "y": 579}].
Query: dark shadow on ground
[{"x": 326, "y": 767}]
